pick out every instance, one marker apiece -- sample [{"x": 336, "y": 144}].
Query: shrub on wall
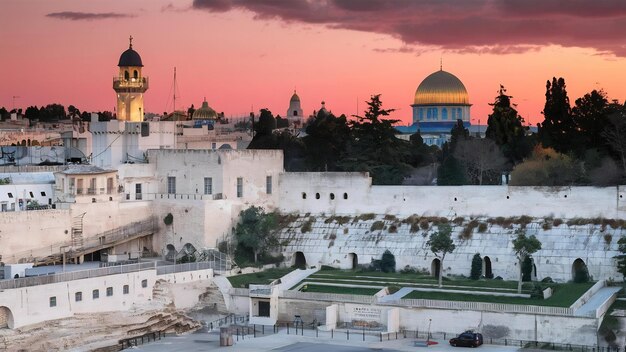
[
  {"x": 477, "y": 267},
  {"x": 168, "y": 219}
]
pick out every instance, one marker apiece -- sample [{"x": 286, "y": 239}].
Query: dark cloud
[
  {"x": 483, "y": 26},
  {"x": 86, "y": 16}
]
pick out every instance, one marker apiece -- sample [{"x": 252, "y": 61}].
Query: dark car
[{"x": 467, "y": 339}]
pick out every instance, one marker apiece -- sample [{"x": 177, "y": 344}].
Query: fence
[
  {"x": 479, "y": 306},
  {"x": 74, "y": 275},
  {"x": 104, "y": 238},
  {"x": 179, "y": 268},
  {"x": 332, "y": 297}
]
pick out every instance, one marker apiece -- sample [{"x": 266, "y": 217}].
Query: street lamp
[{"x": 428, "y": 336}]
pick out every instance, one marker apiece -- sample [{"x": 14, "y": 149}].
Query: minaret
[
  {"x": 294, "y": 113},
  {"x": 130, "y": 86}
]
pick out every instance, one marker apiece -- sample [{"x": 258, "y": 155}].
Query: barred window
[{"x": 208, "y": 185}]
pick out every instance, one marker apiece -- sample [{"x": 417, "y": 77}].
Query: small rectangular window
[
  {"x": 109, "y": 291},
  {"x": 78, "y": 296},
  {"x": 95, "y": 294},
  {"x": 43, "y": 194},
  {"x": 208, "y": 185},
  {"x": 10, "y": 195},
  {"x": 125, "y": 289},
  {"x": 239, "y": 187},
  {"x": 53, "y": 301},
  {"x": 144, "y": 283},
  {"x": 171, "y": 185},
  {"x": 138, "y": 195},
  {"x": 31, "y": 194},
  {"x": 268, "y": 184}
]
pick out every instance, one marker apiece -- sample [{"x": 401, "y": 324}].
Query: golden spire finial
[{"x": 130, "y": 40}]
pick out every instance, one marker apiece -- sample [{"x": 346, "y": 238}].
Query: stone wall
[
  {"x": 352, "y": 193},
  {"x": 329, "y": 243}
]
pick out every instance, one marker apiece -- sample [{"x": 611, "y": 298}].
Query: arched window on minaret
[
  {"x": 135, "y": 74},
  {"x": 295, "y": 113},
  {"x": 126, "y": 75}
]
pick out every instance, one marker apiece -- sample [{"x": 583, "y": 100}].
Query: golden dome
[
  {"x": 441, "y": 88},
  {"x": 205, "y": 112}
]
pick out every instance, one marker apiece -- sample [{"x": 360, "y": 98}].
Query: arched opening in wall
[
  {"x": 299, "y": 261},
  {"x": 170, "y": 252},
  {"x": 187, "y": 254},
  {"x": 435, "y": 267},
  {"x": 487, "y": 268},
  {"x": 345, "y": 196},
  {"x": 303, "y": 195},
  {"x": 332, "y": 196},
  {"x": 529, "y": 269},
  {"x": 126, "y": 75},
  {"x": 580, "y": 273},
  {"x": 135, "y": 74},
  {"x": 317, "y": 196},
  {"x": 6, "y": 318},
  {"x": 354, "y": 260}
]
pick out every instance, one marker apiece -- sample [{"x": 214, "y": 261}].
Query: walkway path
[{"x": 596, "y": 301}]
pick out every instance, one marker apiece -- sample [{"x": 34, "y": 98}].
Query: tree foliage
[
  {"x": 523, "y": 247},
  {"x": 326, "y": 139},
  {"x": 558, "y": 129},
  {"x": 388, "y": 262},
  {"x": 477, "y": 267},
  {"x": 621, "y": 259},
  {"x": 546, "y": 167},
  {"x": 482, "y": 160},
  {"x": 506, "y": 128},
  {"x": 255, "y": 233},
  {"x": 441, "y": 243}
]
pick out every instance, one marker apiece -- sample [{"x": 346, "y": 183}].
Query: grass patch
[
  {"x": 343, "y": 290},
  {"x": 260, "y": 278},
  {"x": 364, "y": 217},
  {"x": 341, "y": 220},
  {"x": 564, "y": 296}
]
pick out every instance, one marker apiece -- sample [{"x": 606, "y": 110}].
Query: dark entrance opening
[
  {"x": 354, "y": 259},
  {"x": 435, "y": 267},
  {"x": 487, "y": 268},
  {"x": 300, "y": 260},
  {"x": 264, "y": 308}
]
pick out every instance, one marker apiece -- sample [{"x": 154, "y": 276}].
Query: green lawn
[
  {"x": 260, "y": 278},
  {"x": 564, "y": 295},
  {"x": 344, "y": 290},
  {"x": 451, "y": 285}
]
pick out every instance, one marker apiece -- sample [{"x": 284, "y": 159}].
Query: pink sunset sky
[{"x": 251, "y": 54}]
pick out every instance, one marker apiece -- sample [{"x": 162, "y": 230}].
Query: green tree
[
  {"x": 477, "y": 267},
  {"x": 451, "y": 171},
  {"x": 326, "y": 139},
  {"x": 614, "y": 134},
  {"x": 590, "y": 114},
  {"x": 388, "y": 262},
  {"x": 255, "y": 232},
  {"x": 546, "y": 167},
  {"x": 523, "y": 247},
  {"x": 373, "y": 146},
  {"x": 32, "y": 113},
  {"x": 4, "y": 114},
  {"x": 506, "y": 128},
  {"x": 621, "y": 259},
  {"x": 441, "y": 243},
  {"x": 558, "y": 129}
]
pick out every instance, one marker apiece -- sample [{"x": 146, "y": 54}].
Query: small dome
[
  {"x": 441, "y": 88},
  {"x": 294, "y": 98},
  {"x": 205, "y": 112},
  {"x": 130, "y": 58}
]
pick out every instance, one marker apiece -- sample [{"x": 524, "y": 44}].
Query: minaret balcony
[{"x": 130, "y": 85}]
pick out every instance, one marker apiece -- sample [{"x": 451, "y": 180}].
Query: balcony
[{"x": 131, "y": 85}]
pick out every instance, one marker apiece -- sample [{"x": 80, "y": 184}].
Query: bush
[
  {"x": 388, "y": 262},
  {"x": 393, "y": 228},
  {"x": 547, "y": 280},
  {"x": 377, "y": 225},
  {"x": 537, "y": 291},
  {"x": 424, "y": 225},
  {"x": 458, "y": 221},
  {"x": 408, "y": 270},
  {"x": 327, "y": 268},
  {"x": 557, "y": 222},
  {"x": 307, "y": 226},
  {"x": 498, "y": 278},
  {"x": 482, "y": 227},
  {"x": 265, "y": 258},
  {"x": 477, "y": 267},
  {"x": 168, "y": 219}
]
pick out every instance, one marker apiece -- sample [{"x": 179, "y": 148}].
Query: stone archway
[
  {"x": 354, "y": 260},
  {"x": 580, "y": 272},
  {"x": 487, "y": 270},
  {"x": 299, "y": 260},
  {"x": 6, "y": 318},
  {"x": 435, "y": 267}
]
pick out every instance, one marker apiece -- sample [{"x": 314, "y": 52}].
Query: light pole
[{"x": 428, "y": 336}]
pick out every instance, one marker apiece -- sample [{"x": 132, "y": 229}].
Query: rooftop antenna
[
  {"x": 441, "y": 63},
  {"x": 174, "y": 87},
  {"x": 15, "y": 97}
]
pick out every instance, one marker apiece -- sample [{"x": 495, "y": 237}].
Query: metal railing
[
  {"x": 480, "y": 306},
  {"x": 121, "y": 82},
  {"x": 104, "y": 238},
  {"x": 333, "y": 297},
  {"x": 179, "y": 268},
  {"x": 181, "y": 196},
  {"x": 74, "y": 275}
]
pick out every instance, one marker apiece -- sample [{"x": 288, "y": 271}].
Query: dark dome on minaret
[{"x": 130, "y": 57}]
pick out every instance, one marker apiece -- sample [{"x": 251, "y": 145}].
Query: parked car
[{"x": 467, "y": 339}]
